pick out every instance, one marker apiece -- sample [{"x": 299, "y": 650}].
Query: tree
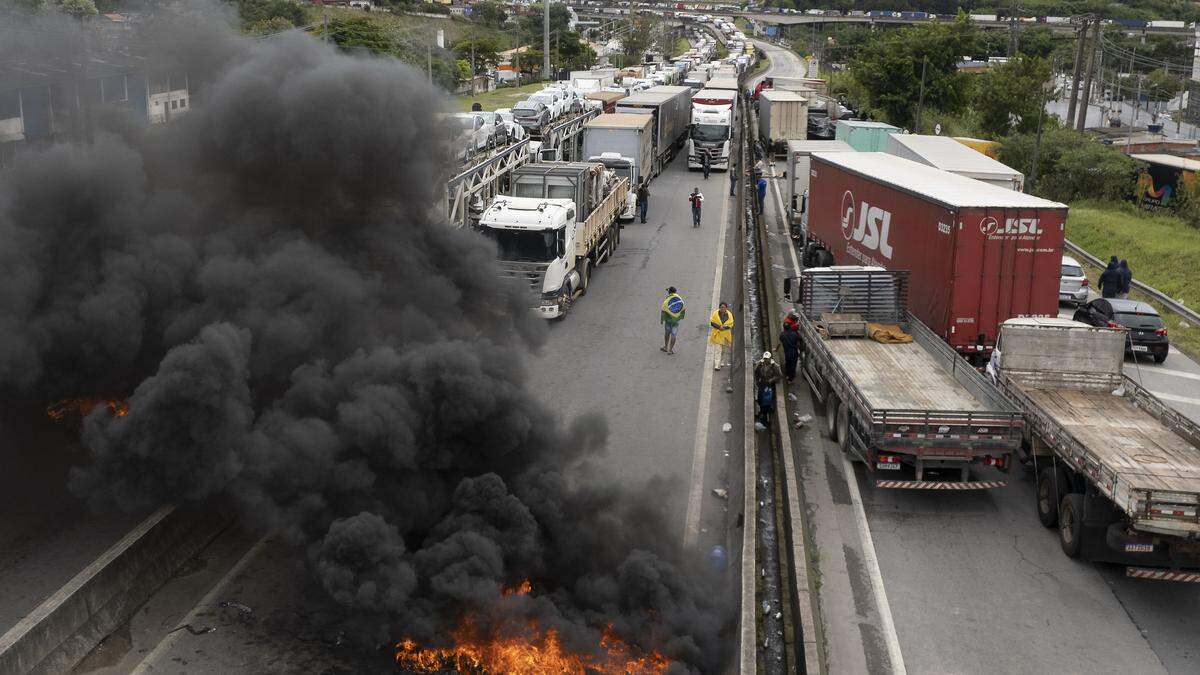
[
  {"x": 639, "y": 38},
  {"x": 1070, "y": 169},
  {"x": 485, "y": 49},
  {"x": 889, "y": 68},
  {"x": 489, "y": 13},
  {"x": 276, "y": 24},
  {"x": 1159, "y": 85},
  {"x": 78, "y": 8},
  {"x": 260, "y": 11},
  {"x": 531, "y": 24},
  {"x": 360, "y": 33},
  {"x": 1009, "y": 96}
]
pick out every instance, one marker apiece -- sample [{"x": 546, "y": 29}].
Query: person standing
[
  {"x": 789, "y": 339},
  {"x": 1110, "y": 280},
  {"x": 707, "y": 163},
  {"x": 766, "y": 374},
  {"x": 673, "y": 310},
  {"x": 643, "y": 200},
  {"x": 792, "y": 320},
  {"x": 762, "y": 193},
  {"x": 696, "y": 199},
  {"x": 721, "y": 334},
  {"x": 732, "y": 179},
  {"x": 1126, "y": 279}
]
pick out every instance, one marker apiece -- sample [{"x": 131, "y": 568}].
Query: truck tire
[
  {"x": 843, "y": 427},
  {"x": 585, "y": 274},
  {"x": 831, "y": 414},
  {"x": 1070, "y": 524},
  {"x": 1052, "y": 484}
]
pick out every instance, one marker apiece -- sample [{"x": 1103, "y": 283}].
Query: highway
[
  {"x": 973, "y": 582},
  {"x": 665, "y": 415}
]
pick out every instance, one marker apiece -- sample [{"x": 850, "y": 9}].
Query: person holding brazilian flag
[{"x": 672, "y": 313}]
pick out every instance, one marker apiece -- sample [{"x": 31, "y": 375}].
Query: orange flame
[
  {"x": 523, "y": 588},
  {"x": 83, "y": 406},
  {"x": 536, "y": 653}
]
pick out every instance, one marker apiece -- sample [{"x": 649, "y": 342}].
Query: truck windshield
[
  {"x": 710, "y": 133},
  {"x": 524, "y": 245}
]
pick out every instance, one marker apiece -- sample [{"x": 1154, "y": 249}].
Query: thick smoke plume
[{"x": 270, "y": 281}]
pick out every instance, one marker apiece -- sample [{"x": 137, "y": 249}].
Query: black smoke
[{"x": 271, "y": 281}]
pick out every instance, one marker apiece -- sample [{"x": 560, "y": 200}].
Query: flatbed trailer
[
  {"x": 1118, "y": 471},
  {"x": 894, "y": 405}
]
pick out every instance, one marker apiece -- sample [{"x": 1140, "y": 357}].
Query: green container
[{"x": 864, "y": 136}]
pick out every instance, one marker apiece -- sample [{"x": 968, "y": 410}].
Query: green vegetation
[
  {"x": 504, "y": 97},
  {"x": 681, "y": 45},
  {"x": 1129, "y": 9},
  {"x": 1070, "y": 167},
  {"x": 1009, "y": 97},
  {"x": 1161, "y": 249}
]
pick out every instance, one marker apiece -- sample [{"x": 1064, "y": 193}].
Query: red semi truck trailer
[{"x": 976, "y": 254}]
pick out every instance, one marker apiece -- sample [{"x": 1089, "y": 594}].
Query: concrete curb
[{"x": 62, "y": 630}]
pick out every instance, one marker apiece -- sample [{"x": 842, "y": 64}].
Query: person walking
[
  {"x": 792, "y": 320},
  {"x": 721, "y": 334},
  {"x": 1126, "y": 279},
  {"x": 766, "y": 374},
  {"x": 789, "y": 339},
  {"x": 696, "y": 199},
  {"x": 1110, "y": 280},
  {"x": 643, "y": 200},
  {"x": 707, "y": 163},
  {"x": 762, "y": 193},
  {"x": 673, "y": 310},
  {"x": 732, "y": 179}
]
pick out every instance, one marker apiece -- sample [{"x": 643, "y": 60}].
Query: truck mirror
[{"x": 787, "y": 288}]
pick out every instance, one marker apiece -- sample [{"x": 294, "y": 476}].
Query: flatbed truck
[
  {"x": 893, "y": 405},
  {"x": 1118, "y": 471}
]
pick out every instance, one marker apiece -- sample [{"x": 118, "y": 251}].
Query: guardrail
[{"x": 1170, "y": 303}]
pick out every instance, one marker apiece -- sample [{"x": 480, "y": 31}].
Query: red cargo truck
[{"x": 977, "y": 254}]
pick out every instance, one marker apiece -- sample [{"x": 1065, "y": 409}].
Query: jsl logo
[{"x": 870, "y": 228}]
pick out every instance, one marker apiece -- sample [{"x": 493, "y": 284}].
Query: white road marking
[
  {"x": 1177, "y": 398},
  {"x": 691, "y": 523},
  {"x": 887, "y": 625},
  {"x": 1174, "y": 373},
  {"x": 210, "y": 599}
]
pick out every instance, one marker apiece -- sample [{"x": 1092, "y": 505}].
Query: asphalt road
[
  {"x": 665, "y": 426},
  {"x": 47, "y": 535},
  {"x": 974, "y": 583}
]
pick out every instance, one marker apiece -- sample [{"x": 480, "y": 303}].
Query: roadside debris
[{"x": 721, "y": 493}]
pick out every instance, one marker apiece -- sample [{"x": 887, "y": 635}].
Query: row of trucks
[{"x": 909, "y": 269}]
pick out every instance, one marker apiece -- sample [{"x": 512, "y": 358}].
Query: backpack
[{"x": 766, "y": 396}]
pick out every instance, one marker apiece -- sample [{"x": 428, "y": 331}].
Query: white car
[
  {"x": 470, "y": 134},
  {"x": 500, "y": 135},
  {"x": 1073, "y": 282},
  {"x": 553, "y": 99},
  {"x": 516, "y": 132}
]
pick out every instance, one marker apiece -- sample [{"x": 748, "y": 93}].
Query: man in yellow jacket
[{"x": 721, "y": 334}]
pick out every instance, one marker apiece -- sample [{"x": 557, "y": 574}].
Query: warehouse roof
[{"x": 936, "y": 185}]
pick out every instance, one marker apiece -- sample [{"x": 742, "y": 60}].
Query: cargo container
[
  {"x": 671, "y": 109},
  {"x": 947, "y": 154},
  {"x": 799, "y": 160},
  {"x": 864, "y": 136},
  {"x": 608, "y": 99},
  {"x": 622, "y": 143},
  {"x": 782, "y": 117},
  {"x": 729, "y": 83},
  {"x": 977, "y": 254}
]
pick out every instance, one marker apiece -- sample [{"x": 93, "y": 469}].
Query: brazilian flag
[{"x": 673, "y": 306}]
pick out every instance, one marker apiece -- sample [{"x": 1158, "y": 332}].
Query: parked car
[
  {"x": 500, "y": 135},
  {"x": 531, "y": 114},
  {"x": 1147, "y": 332},
  {"x": 515, "y": 131},
  {"x": 1073, "y": 284},
  {"x": 470, "y": 134},
  {"x": 554, "y": 100}
]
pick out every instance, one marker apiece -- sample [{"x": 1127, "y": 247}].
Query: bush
[{"x": 1071, "y": 167}]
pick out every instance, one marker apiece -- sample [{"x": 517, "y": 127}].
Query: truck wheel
[
  {"x": 1070, "y": 524},
  {"x": 831, "y": 415},
  {"x": 585, "y": 273},
  {"x": 1052, "y": 484},
  {"x": 843, "y": 427}
]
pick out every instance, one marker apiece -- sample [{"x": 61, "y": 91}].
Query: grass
[
  {"x": 504, "y": 97},
  {"x": 1163, "y": 251},
  {"x": 681, "y": 45}
]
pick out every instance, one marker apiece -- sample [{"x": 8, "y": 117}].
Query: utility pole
[
  {"x": 546, "y": 39},
  {"x": 429, "y": 57},
  {"x": 1012, "y": 31},
  {"x": 1087, "y": 86},
  {"x": 921, "y": 97},
  {"x": 1080, "y": 39}
]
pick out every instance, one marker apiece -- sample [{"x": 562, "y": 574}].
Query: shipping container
[
  {"x": 729, "y": 83},
  {"x": 947, "y": 154},
  {"x": 782, "y": 117},
  {"x": 977, "y": 254},
  {"x": 608, "y": 99},
  {"x": 799, "y": 160},
  {"x": 864, "y": 136},
  {"x": 671, "y": 108}
]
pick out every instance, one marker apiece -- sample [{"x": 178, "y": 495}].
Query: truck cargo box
[
  {"x": 978, "y": 254},
  {"x": 671, "y": 109},
  {"x": 799, "y": 161},
  {"x": 864, "y": 136},
  {"x": 948, "y": 154},
  {"x": 782, "y": 117}
]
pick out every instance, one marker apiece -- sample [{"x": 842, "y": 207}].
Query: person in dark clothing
[
  {"x": 707, "y": 165},
  {"x": 1110, "y": 280},
  {"x": 732, "y": 179},
  {"x": 643, "y": 200},
  {"x": 762, "y": 193},
  {"x": 766, "y": 374},
  {"x": 789, "y": 339},
  {"x": 1126, "y": 279}
]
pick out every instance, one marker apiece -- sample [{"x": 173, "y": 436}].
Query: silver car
[{"x": 1073, "y": 282}]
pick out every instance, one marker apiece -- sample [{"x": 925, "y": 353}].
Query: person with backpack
[
  {"x": 766, "y": 374},
  {"x": 673, "y": 310},
  {"x": 696, "y": 199},
  {"x": 1126, "y": 279},
  {"x": 1110, "y": 279}
]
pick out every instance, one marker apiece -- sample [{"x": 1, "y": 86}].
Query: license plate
[
  {"x": 887, "y": 466},
  {"x": 1141, "y": 348},
  {"x": 1139, "y": 548}
]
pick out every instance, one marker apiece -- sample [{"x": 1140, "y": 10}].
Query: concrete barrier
[{"x": 56, "y": 635}]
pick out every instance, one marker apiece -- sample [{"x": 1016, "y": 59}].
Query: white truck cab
[{"x": 535, "y": 236}]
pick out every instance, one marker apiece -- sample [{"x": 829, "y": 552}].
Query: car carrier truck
[
  {"x": 559, "y": 224},
  {"x": 895, "y": 395},
  {"x": 1118, "y": 471}
]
